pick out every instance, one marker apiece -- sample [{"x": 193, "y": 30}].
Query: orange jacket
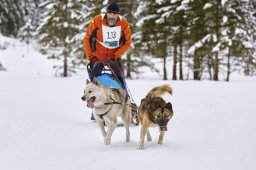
[{"x": 102, "y": 51}]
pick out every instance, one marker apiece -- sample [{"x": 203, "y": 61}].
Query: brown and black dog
[{"x": 154, "y": 111}]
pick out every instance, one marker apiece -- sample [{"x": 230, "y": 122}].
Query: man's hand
[
  {"x": 106, "y": 60},
  {"x": 93, "y": 59}
]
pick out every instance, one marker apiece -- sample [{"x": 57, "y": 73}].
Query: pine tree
[
  {"x": 11, "y": 16},
  {"x": 197, "y": 35},
  {"x": 249, "y": 41},
  {"x": 26, "y": 33},
  {"x": 238, "y": 35},
  {"x": 58, "y": 33},
  {"x": 14, "y": 15},
  {"x": 174, "y": 11},
  {"x": 155, "y": 31}
]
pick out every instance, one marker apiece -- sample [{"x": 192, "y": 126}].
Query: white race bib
[{"x": 111, "y": 36}]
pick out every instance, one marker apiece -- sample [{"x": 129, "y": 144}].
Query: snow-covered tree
[
  {"x": 26, "y": 33},
  {"x": 155, "y": 34},
  {"x": 58, "y": 33},
  {"x": 197, "y": 34},
  {"x": 11, "y": 16},
  {"x": 219, "y": 27},
  {"x": 174, "y": 12}
]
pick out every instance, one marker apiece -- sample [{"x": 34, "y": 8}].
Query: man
[{"x": 107, "y": 38}]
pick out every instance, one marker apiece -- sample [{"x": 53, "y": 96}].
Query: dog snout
[
  {"x": 83, "y": 98},
  {"x": 162, "y": 121}
]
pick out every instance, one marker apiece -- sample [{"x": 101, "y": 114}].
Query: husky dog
[
  {"x": 154, "y": 111},
  {"x": 107, "y": 105}
]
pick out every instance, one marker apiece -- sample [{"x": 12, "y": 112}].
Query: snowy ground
[{"x": 44, "y": 125}]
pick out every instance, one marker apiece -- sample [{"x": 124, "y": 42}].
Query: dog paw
[
  {"x": 140, "y": 147},
  {"x": 160, "y": 142},
  {"x": 107, "y": 141},
  {"x": 127, "y": 139}
]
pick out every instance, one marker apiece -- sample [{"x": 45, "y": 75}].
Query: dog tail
[{"x": 159, "y": 90}]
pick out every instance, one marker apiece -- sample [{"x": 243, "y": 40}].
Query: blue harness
[{"x": 108, "y": 80}]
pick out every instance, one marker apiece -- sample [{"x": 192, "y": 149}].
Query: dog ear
[
  {"x": 95, "y": 81},
  {"x": 87, "y": 81},
  {"x": 169, "y": 106}
]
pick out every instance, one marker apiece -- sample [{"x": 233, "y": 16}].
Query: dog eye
[{"x": 89, "y": 91}]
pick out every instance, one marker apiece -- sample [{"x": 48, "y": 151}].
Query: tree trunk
[
  {"x": 65, "y": 34},
  {"x": 216, "y": 67},
  {"x": 209, "y": 64},
  {"x": 128, "y": 66},
  {"x": 196, "y": 68},
  {"x": 229, "y": 66},
  {"x": 165, "y": 72},
  {"x": 217, "y": 32},
  {"x": 180, "y": 61},
  {"x": 65, "y": 67},
  {"x": 174, "y": 72},
  {"x": 247, "y": 65}
]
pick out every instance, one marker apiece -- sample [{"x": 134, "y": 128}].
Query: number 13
[{"x": 111, "y": 35}]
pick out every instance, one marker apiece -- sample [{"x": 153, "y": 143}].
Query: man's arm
[
  {"x": 128, "y": 40},
  {"x": 87, "y": 47}
]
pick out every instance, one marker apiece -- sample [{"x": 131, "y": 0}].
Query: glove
[
  {"x": 106, "y": 60},
  {"x": 93, "y": 59}
]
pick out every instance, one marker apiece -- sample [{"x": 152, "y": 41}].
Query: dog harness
[{"x": 108, "y": 103}]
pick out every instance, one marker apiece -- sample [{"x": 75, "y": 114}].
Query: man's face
[{"x": 112, "y": 18}]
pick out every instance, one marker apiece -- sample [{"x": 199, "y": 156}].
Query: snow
[
  {"x": 65, "y": 24},
  {"x": 216, "y": 48},
  {"x": 181, "y": 8},
  {"x": 159, "y": 1},
  {"x": 223, "y": 2},
  {"x": 224, "y": 19},
  {"x": 45, "y": 125},
  {"x": 240, "y": 31},
  {"x": 200, "y": 43},
  {"x": 185, "y": 2},
  {"x": 207, "y": 5},
  {"x": 141, "y": 21}
]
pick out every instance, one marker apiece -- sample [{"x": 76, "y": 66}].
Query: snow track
[{"x": 44, "y": 125}]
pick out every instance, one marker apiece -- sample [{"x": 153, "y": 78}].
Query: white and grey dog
[{"x": 107, "y": 105}]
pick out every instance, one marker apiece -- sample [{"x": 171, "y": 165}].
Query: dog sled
[{"x": 106, "y": 76}]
